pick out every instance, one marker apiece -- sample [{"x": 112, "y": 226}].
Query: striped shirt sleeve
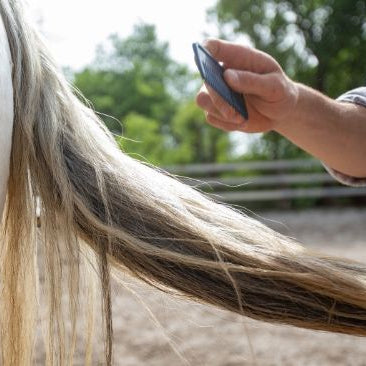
[{"x": 357, "y": 96}]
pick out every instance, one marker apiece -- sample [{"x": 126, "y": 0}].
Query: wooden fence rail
[{"x": 264, "y": 180}]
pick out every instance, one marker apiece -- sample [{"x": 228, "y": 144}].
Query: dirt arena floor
[{"x": 165, "y": 331}]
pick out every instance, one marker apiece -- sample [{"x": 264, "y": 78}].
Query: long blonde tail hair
[{"x": 102, "y": 208}]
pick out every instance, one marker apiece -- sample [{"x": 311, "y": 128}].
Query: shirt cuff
[{"x": 356, "y": 96}]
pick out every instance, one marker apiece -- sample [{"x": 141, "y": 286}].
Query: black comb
[{"x": 212, "y": 73}]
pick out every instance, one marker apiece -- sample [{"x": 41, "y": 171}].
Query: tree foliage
[
  {"x": 144, "y": 139},
  {"x": 196, "y": 140},
  {"x": 150, "y": 99},
  {"x": 132, "y": 75}
]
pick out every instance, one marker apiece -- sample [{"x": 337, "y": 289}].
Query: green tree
[
  {"x": 318, "y": 42},
  {"x": 149, "y": 97},
  {"x": 135, "y": 74},
  {"x": 144, "y": 140},
  {"x": 196, "y": 141}
]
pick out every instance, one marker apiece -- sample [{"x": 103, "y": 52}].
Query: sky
[{"x": 75, "y": 27}]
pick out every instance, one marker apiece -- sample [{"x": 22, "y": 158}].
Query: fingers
[
  {"x": 258, "y": 122},
  {"x": 237, "y": 56},
  {"x": 271, "y": 87},
  {"x": 214, "y": 105},
  {"x": 203, "y": 99},
  {"x": 218, "y": 113},
  {"x": 218, "y": 122}
]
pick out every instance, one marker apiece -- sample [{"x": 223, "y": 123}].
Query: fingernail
[
  {"x": 205, "y": 42},
  {"x": 210, "y": 44}
]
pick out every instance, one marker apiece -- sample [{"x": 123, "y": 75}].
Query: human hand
[{"x": 270, "y": 95}]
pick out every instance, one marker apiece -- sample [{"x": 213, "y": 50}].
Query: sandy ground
[{"x": 202, "y": 335}]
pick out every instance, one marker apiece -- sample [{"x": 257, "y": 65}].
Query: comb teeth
[{"x": 212, "y": 72}]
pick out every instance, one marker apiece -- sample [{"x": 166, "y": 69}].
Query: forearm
[{"x": 334, "y": 132}]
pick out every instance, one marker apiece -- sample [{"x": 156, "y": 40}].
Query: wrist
[{"x": 295, "y": 92}]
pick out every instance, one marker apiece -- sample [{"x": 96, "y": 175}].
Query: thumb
[{"x": 247, "y": 82}]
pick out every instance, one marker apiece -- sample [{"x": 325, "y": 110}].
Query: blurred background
[{"x": 133, "y": 61}]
